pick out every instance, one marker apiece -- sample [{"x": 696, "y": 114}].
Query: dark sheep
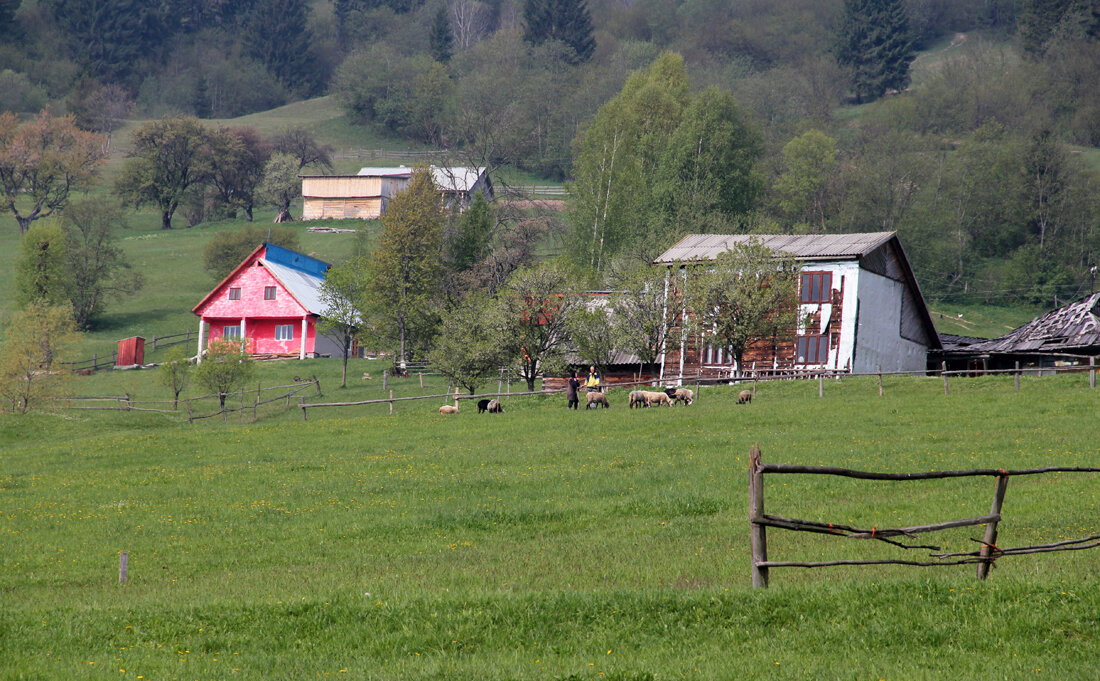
[{"x": 482, "y": 406}]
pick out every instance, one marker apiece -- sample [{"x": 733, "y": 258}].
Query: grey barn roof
[
  {"x": 1073, "y": 327},
  {"x": 695, "y": 247}
]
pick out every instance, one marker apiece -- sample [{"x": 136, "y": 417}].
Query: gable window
[
  {"x": 232, "y": 332},
  {"x": 235, "y": 293},
  {"x": 269, "y": 293},
  {"x": 284, "y": 332},
  {"x": 816, "y": 287},
  {"x": 812, "y": 349}
]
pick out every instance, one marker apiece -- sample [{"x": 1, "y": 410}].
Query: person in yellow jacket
[{"x": 592, "y": 383}]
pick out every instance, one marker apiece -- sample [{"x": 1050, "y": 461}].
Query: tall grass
[{"x": 543, "y": 543}]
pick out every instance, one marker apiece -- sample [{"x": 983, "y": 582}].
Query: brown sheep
[
  {"x": 658, "y": 398},
  {"x": 494, "y": 407},
  {"x": 448, "y": 409},
  {"x": 744, "y": 397},
  {"x": 594, "y": 398},
  {"x": 637, "y": 399},
  {"x": 684, "y": 395}
]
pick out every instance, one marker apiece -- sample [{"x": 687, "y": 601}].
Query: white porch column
[
  {"x": 244, "y": 330},
  {"x": 302, "y": 353},
  {"x": 202, "y": 326}
]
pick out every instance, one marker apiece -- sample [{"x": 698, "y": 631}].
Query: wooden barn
[
  {"x": 1069, "y": 335},
  {"x": 366, "y": 194},
  {"x": 271, "y": 301},
  {"x": 859, "y": 308}
]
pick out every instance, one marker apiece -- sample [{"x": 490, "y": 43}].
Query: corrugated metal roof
[
  {"x": 696, "y": 247},
  {"x": 449, "y": 179},
  {"x": 306, "y": 288},
  {"x": 1072, "y": 327}
]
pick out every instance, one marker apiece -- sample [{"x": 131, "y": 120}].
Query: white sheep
[
  {"x": 744, "y": 397},
  {"x": 448, "y": 409},
  {"x": 596, "y": 398}
]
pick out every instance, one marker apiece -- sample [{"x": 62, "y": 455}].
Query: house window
[
  {"x": 718, "y": 355},
  {"x": 812, "y": 349},
  {"x": 269, "y": 293},
  {"x": 232, "y": 332},
  {"x": 816, "y": 287},
  {"x": 235, "y": 293},
  {"x": 284, "y": 332}
]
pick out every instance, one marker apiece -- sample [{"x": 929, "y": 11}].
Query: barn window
[
  {"x": 231, "y": 331},
  {"x": 284, "y": 332},
  {"x": 816, "y": 287},
  {"x": 812, "y": 349},
  {"x": 235, "y": 293},
  {"x": 269, "y": 293}
]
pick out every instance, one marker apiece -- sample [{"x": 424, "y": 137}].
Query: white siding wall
[
  {"x": 846, "y": 274},
  {"x": 878, "y": 338}
]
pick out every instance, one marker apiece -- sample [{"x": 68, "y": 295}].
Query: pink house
[{"x": 272, "y": 300}]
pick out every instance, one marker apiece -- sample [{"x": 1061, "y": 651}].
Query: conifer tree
[
  {"x": 875, "y": 43},
  {"x": 441, "y": 40},
  {"x": 564, "y": 20}
]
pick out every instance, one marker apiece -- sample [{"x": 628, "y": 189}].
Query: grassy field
[{"x": 541, "y": 543}]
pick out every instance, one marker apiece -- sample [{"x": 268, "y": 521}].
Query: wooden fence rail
[
  {"x": 157, "y": 342},
  {"x": 984, "y": 557}
]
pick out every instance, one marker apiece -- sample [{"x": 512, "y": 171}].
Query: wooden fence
[
  {"x": 157, "y": 342},
  {"x": 984, "y": 557},
  {"x": 389, "y": 155}
]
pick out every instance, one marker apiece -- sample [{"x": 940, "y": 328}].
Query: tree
[
  {"x": 111, "y": 40},
  {"x": 169, "y": 158},
  {"x": 707, "y": 174},
  {"x": 41, "y": 162},
  {"x": 342, "y": 293},
  {"x": 590, "y": 330},
  {"x": 303, "y": 146},
  {"x": 276, "y": 33},
  {"x": 617, "y": 158},
  {"x": 224, "y": 365},
  {"x": 538, "y": 302},
  {"x": 96, "y": 268},
  {"x": 405, "y": 265},
  {"x": 175, "y": 373},
  {"x": 640, "y": 313},
  {"x": 747, "y": 294},
  {"x": 237, "y": 160},
  {"x": 475, "y": 229},
  {"x": 441, "y": 40},
  {"x": 564, "y": 20},
  {"x": 470, "y": 348},
  {"x": 281, "y": 185},
  {"x": 101, "y": 109},
  {"x": 40, "y": 275},
  {"x": 875, "y": 44},
  {"x": 38, "y": 337},
  {"x": 802, "y": 188},
  {"x": 229, "y": 247}
]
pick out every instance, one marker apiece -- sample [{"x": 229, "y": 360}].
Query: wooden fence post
[
  {"x": 1017, "y": 372},
  {"x": 391, "y": 403},
  {"x": 128, "y": 403},
  {"x": 880, "y": 380},
  {"x": 758, "y": 538},
  {"x": 943, "y": 370},
  {"x": 421, "y": 374},
  {"x": 1092, "y": 373},
  {"x": 123, "y": 566},
  {"x": 821, "y": 384},
  {"x": 989, "y": 541},
  {"x": 302, "y": 404},
  {"x": 317, "y": 384},
  {"x": 190, "y": 418},
  {"x": 385, "y": 378}
]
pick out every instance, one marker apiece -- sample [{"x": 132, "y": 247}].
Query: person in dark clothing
[{"x": 571, "y": 390}]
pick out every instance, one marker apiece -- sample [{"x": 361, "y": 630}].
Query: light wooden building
[{"x": 366, "y": 194}]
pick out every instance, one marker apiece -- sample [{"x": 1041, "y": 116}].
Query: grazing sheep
[
  {"x": 680, "y": 395},
  {"x": 494, "y": 407},
  {"x": 658, "y": 398},
  {"x": 744, "y": 396},
  {"x": 592, "y": 400},
  {"x": 637, "y": 399},
  {"x": 483, "y": 405},
  {"x": 448, "y": 409}
]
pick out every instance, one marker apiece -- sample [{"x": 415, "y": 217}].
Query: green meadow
[{"x": 542, "y": 543}]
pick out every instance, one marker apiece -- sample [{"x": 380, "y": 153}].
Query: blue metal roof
[{"x": 295, "y": 260}]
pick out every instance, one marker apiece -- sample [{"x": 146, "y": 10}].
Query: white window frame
[
  {"x": 231, "y": 332},
  {"x": 284, "y": 332}
]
